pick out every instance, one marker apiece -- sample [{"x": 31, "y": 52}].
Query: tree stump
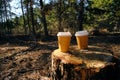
[{"x": 94, "y": 63}]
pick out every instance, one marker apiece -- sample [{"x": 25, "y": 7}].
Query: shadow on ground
[{"x": 34, "y": 62}]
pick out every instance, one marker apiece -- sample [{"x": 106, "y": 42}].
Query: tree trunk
[
  {"x": 28, "y": 22},
  {"x": 24, "y": 24},
  {"x": 80, "y": 15},
  {"x": 59, "y": 12},
  {"x": 6, "y": 17},
  {"x": 3, "y": 25},
  {"x": 32, "y": 17},
  {"x": 33, "y": 33},
  {"x": 118, "y": 25},
  {"x": 43, "y": 18}
]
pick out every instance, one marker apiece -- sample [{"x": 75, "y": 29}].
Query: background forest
[
  {"x": 28, "y": 31},
  {"x": 39, "y": 17}
]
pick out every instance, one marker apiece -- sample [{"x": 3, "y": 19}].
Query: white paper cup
[
  {"x": 64, "y": 39},
  {"x": 82, "y": 39}
]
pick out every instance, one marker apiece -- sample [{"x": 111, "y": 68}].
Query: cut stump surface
[{"x": 94, "y": 63}]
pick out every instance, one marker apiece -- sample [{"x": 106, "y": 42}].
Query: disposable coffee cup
[
  {"x": 64, "y": 39},
  {"x": 82, "y": 39}
]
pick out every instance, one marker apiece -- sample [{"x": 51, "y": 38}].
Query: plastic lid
[
  {"x": 81, "y": 33},
  {"x": 64, "y": 34}
]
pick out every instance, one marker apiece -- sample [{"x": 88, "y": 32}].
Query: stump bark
[{"x": 94, "y": 63}]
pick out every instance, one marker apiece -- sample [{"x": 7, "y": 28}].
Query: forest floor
[{"x": 21, "y": 59}]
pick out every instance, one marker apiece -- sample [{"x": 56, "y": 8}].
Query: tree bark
[
  {"x": 28, "y": 22},
  {"x": 33, "y": 33},
  {"x": 6, "y": 16},
  {"x": 24, "y": 24},
  {"x": 59, "y": 12},
  {"x": 43, "y": 18},
  {"x": 3, "y": 25},
  {"x": 32, "y": 17},
  {"x": 80, "y": 15}
]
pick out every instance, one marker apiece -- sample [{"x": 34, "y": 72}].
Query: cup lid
[
  {"x": 64, "y": 34},
  {"x": 81, "y": 33}
]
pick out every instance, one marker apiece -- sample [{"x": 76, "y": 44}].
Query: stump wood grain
[{"x": 94, "y": 63}]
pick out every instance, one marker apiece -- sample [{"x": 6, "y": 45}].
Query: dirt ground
[{"x": 21, "y": 59}]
